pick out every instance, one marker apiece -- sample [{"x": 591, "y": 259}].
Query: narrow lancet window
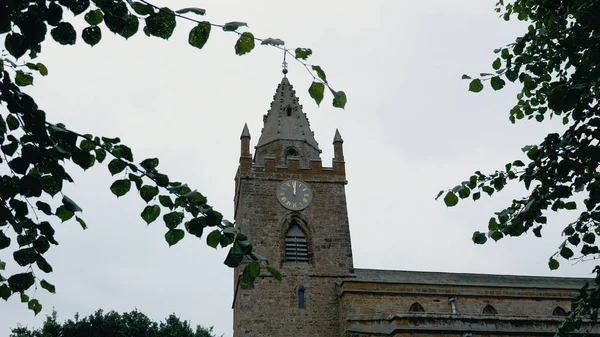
[
  {"x": 489, "y": 310},
  {"x": 416, "y": 307},
  {"x": 558, "y": 311},
  {"x": 301, "y": 298},
  {"x": 296, "y": 248}
]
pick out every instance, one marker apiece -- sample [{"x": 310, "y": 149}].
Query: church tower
[{"x": 294, "y": 211}]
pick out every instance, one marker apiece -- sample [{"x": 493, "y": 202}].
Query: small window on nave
[
  {"x": 416, "y": 307},
  {"x": 296, "y": 248},
  {"x": 489, "y": 310},
  {"x": 288, "y": 110},
  {"x": 558, "y": 311}
]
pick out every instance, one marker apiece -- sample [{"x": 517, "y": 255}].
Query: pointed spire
[
  {"x": 337, "y": 138},
  {"x": 245, "y": 132},
  {"x": 285, "y": 119}
]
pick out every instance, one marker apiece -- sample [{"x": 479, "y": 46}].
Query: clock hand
[{"x": 294, "y": 185}]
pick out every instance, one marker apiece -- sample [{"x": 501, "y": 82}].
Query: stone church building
[{"x": 293, "y": 208}]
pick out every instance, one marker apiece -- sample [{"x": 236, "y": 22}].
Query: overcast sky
[{"x": 410, "y": 128}]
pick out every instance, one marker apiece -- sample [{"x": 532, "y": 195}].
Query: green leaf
[
  {"x": 161, "y": 24},
  {"x": 339, "y": 99},
  {"x": 173, "y": 219},
  {"x": 150, "y": 213},
  {"x": 41, "y": 244},
  {"x": 466, "y": 77},
  {"x": 553, "y": 264},
  {"x": 64, "y": 33},
  {"x": 174, "y": 235},
  {"x": 23, "y": 79},
  {"x": 566, "y": 253},
  {"x": 15, "y": 44},
  {"x": 195, "y": 10},
  {"x": 234, "y": 257},
  {"x": 35, "y": 306},
  {"x": 116, "y": 166},
  {"x": 316, "y": 91},
  {"x": 320, "y": 73},
  {"x": 63, "y": 213},
  {"x": 302, "y": 53},
  {"x": 571, "y": 205},
  {"x": 199, "y": 34},
  {"x": 492, "y": 224},
  {"x": 21, "y": 282},
  {"x": 25, "y": 256},
  {"x": 81, "y": 222},
  {"x": 275, "y": 273},
  {"x": 2, "y": 265},
  {"x": 24, "y": 298},
  {"x": 38, "y": 67},
  {"x": 213, "y": 239},
  {"x": 100, "y": 155},
  {"x": 94, "y": 17},
  {"x": 497, "y": 83},
  {"x": 475, "y": 85},
  {"x": 450, "y": 199},
  {"x": 476, "y": 196},
  {"x": 120, "y": 187},
  {"x": 479, "y": 238},
  {"x": 13, "y": 123},
  {"x": 123, "y": 151},
  {"x": 142, "y": 9},
  {"x": 196, "y": 226},
  {"x": 70, "y": 204},
  {"x": 272, "y": 42},
  {"x": 234, "y": 25},
  {"x": 48, "y": 286},
  {"x": 244, "y": 44},
  {"x": 497, "y": 64},
  {"x": 131, "y": 27},
  {"x": 166, "y": 201},
  {"x": 464, "y": 192},
  {"x": 148, "y": 192},
  {"x": 5, "y": 291},
  {"x": 91, "y": 35},
  {"x": 253, "y": 269}
]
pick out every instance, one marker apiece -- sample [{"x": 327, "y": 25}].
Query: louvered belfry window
[{"x": 296, "y": 248}]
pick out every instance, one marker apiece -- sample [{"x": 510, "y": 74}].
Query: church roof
[
  {"x": 285, "y": 119},
  {"x": 465, "y": 279}
]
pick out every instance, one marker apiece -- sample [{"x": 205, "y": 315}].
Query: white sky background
[{"x": 410, "y": 129}]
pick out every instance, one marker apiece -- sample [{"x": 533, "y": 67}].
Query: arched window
[
  {"x": 301, "y": 298},
  {"x": 288, "y": 110},
  {"x": 489, "y": 310},
  {"x": 416, "y": 307},
  {"x": 558, "y": 311},
  {"x": 296, "y": 248}
]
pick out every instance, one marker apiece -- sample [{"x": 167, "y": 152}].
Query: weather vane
[{"x": 284, "y": 64}]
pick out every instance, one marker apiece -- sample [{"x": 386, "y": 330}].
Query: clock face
[{"x": 294, "y": 194}]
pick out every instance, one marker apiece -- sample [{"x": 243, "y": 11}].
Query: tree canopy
[
  {"x": 113, "y": 324},
  {"x": 555, "y": 63},
  {"x": 35, "y": 149}
]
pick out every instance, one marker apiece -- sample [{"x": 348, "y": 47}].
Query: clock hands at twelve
[{"x": 294, "y": 185}]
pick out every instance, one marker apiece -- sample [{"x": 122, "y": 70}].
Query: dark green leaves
[
  {"x": 274, "y": 272},
  {"x": 64, "y": 33},
  {"x": 450, "y": 199},
  {"x": 120, "y": 187},
  {"x": 48, "y": 286},
  {"x": 91, "y": 35},
  {"x": 302, "y": 53},
  {"x": 23, "y": 79},
  {"x": 94, "y": 17},
  {"x": 63, "y": 213},
  {"x": 116, "y": 166},
  {"x": 174, "y": 235},
  {"x": 213, "y": 239},
  {"x": 161, "y": 24},
  {"x": 70, "y": 204},
  {"x": 25, "y": 256},
  {"x": 142, "y": 9},
  {"x": 475, "y": 85},
  {"x": 150, "y": 213},
  {"x": 195, "y": 10},
  {"x": 173, "y": 219},
  {"x": 497, "y": 83},
  {"x": 13, "y": 123},
  {"x": 4, "y": 240},
  {"x": 234, "y": 25},
  {"x": 199, "y": 34},
  {"x": 35, "y": 306},
  {"x": 244, "y": 44},
  {"x": 316, "y": 91},
  {"x": 15, "y": 44},
  {"x": 21, "y": 282},
  {"x": 148, "y": 192},
  {"x": 479, "y": 238}
]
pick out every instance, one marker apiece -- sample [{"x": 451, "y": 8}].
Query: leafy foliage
[
  {"x": 131, "y": 324},
  {"x": 34, "y": 150},
  {"x": 555, "y": 63}
]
